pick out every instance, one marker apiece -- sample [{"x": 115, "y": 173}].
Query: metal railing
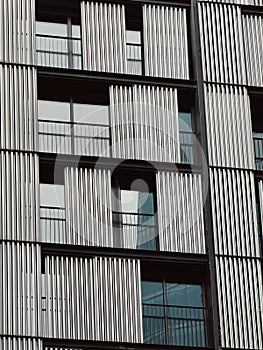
[
  {"x": 73, "y": 138},
  {"x": 59, "y": 52},
  {"x": 174, "y": 325},
  {"x": 53, "y": 224},
  {"x": 186, "y": 147},
  {"x": 134, "y": 58},
  {"x": 138, "y": 231},
  {"x": 258, "y": 149}
]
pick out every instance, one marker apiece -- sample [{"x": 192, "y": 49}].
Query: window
[
  {"x": 58, "y": 44},
  {"x": 257, "y": 128},
  {"x": 52, "y": 213},
  {"x": 134, "y": 48},
  {"x": 134, "y": 52},
  {"x": 134, "y": 211},
  {"x": 173, "y": 313},
  {"x": 73, "y": 128},
  {"x": 186, "y": 137}
]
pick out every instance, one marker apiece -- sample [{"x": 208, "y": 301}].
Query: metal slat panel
[
  {"x": 144, "y": 122},
  {"x": 13, "y": 343},
  {"x": 239, "y": 305},
  {"x": 234, "y": 215},
  {"x": 88, "y": 207},
  {"x": 165, "y": 42},
  {"x": 17, "y": 34},
  {"x": 222, "y": 47},
  {"x": 93, "y": 299},
  {"x": 19, "y": 202},
  {"x": 230, "y": 137},
  {"x": 180, "y": 213},
  {"x": 18, "y": 110},
  {"x": 103, "y": 37},
  {"x": 19, "y": 281}
]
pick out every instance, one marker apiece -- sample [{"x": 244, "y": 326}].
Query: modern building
[{"x": 131, "y": 174}]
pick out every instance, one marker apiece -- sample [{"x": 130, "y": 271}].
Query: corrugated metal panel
[
  {"x": 94, "y": 299},
  {"x": 229, "y": 129},
  {"x": 180, "y": 212},
  {"x": 144, "y": 123},
  {"x": 88, "y": 207},
  {"x": 260, "y": 191},
  {"x": 17, "y": 36},
  {"x": 240, "y": 302},
  {"x": 19, "y": 198},
  {"x": 103, "y": 37},
  {"x": 253, "y": 38},
  {"x": 234, "y": 213},
  {"x": 222, "y": 45},
  {"x": 20, "y": 301},
  {"x": 8, "y": 343},
  {"x": 18, "y": 107},
  {"x": 165, "y": 42}
]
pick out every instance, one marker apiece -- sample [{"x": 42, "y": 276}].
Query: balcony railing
[
  {"x": 53, "y": 224},
  {"x": 59, "y": 52},
  {"x": 174, "y": 325},
  {"x": 186, "y": 147},
  {"x": 137, "y": 231},
  {"x": 134, "y": 58},
  {"x": 73, "y": 138},
  {"x": 258, "y": 149}
]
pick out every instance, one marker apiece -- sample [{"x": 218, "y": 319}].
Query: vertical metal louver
[
  {"x": 88, "y": 207},
  {"x": 240, "y": 302},
  {"x": 8, "y": 343},
  {"x": 165, "y": 42},
  {"x": 20, "y": 300},
  {"x": 253, "y": 39},
  {"x": 93, "y": 299},
  {"x": 234, "y": 213},
  {"x": 19, "y": 200},
  {"x": 145, "y": 123},
  {"x": 103, "y": 37},
  {"x": 18, "y": 107},
  {"x": 222, "y": 47},
  {"x": 17, "y": 36},
  {"x": 229, "y": 129},
  {"x": 180, "y": 212}
]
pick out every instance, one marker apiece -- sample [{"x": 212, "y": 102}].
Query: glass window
[
  {"x": 133, "y": 37},
  {"x": 173, "y": 313},
  {"x": 185, "y": 122},
  {"x": 52, "y": 196},
  {"x": 93, "y": 114},
  {"x": 54, "y": 29},
  {"x": 53, "y": 110}
]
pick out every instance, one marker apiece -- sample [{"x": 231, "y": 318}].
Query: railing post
[{"x": 70, "y": 44}]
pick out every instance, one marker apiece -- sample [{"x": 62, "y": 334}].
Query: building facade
[{"x": 131, "y": 177}]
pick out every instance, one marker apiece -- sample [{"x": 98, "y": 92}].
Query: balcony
[
  {"x": 58, "y": 51},
  {"x": 73, "y": 138},
  {"x": 186, "y": 147},
  {"x": 174, "y": 325},
  {"x": 134, "y": 59},
  {"x": 258, "y": 149},
  {"x": 53, "y": 224},
  {"x": 137, "y": 231}
]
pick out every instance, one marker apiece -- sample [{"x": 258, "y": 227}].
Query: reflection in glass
[
  {"x": 137, "y": 219},
  {"x": 52, "y": 213},
  {"x": 55, "y": 48},
  {"x": 173, "y": 314},
  {"x": 134, "y": 52},
  {"x": 186, "y": 137},
  {"x": 84, "y": 132}
]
